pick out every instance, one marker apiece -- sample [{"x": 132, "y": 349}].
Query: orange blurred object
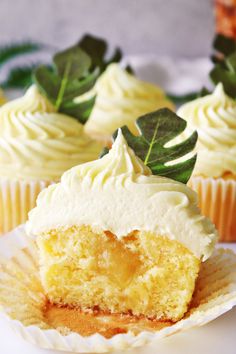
[{"x": 225, "y": 13}]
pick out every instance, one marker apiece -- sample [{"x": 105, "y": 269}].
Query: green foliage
[
  {"x": 224, "y": 59},
  {"x": 92, "y": 47},
  {"x": 225, "y": 72},
  {"x": 74, "y": 72},
  {"x": 70, "y": 76},
  {"x": 19, "y": 77},
  {"x": 223, "y": 46},
  {"x": 181, "y": 99},
  {"x": 156, "y": 130},
  {"x": 97, "y": 49},
  {"x": 13, "y": 50}
]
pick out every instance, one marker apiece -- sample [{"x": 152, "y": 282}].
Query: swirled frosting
[
  {"x": 121, "y": 99},
  {"x": 36, "y": 142},
  {"x": 214, "y": 117},
  {"x": 119, "y": 193}
]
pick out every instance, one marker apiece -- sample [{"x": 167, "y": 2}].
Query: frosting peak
[
  {"x": 121, "y": 99},
  {"x": 119, "y": 161},
  {"x": 37, "y": 142},
  {"x": 214, "y": 117},
  {"x": 118, "y": 193}
]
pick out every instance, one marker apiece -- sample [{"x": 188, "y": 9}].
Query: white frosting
[
  {"x": 121, "y": 99},
  {"x": 214, "y": 117},
  {"x": 119, "y": 193},
  {"x": 39, "y": 143}
]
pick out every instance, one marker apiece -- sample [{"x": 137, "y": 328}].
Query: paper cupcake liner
[
  {"x": 17, "y": 198},
  {"x": 217, "y": 200},
  {"x": 22, "y": 300}
]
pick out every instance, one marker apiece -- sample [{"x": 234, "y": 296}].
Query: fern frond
[
  {"x": 13, "y": 50},
  {"x": 19, "y": 77}
]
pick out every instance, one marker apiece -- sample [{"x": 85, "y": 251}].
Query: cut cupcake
[
  {"x": 121, "y": 98},
  {"x": 37, "y": 144},
  {"x": 114, "y": 238},
  {"x": 214, "y": 176}
]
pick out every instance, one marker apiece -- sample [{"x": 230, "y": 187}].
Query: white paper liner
[
  {"x": 17, "y": 198},
  {"x": 21, "y": 296},
  {"x": 217, "y": 200}
]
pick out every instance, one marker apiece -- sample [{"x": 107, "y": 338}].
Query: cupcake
[
  {"x": 121, "y": 98},
  {"x": 214, "y": 176},
  {"x": 37, "y": 145},
  {"x": 115, "y": 239}
]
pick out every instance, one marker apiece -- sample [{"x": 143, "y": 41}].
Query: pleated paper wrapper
[
  {"x": 217, "y": 200},
  {"x": 22, "y": 300},
  {"x": 17, "y": 198}
]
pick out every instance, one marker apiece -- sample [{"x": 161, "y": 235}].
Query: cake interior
[{"x": 142, "y": 274}]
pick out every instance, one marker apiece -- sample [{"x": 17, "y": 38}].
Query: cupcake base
[
  {"x": 25, "y": 306},
  {"x": 217, "y": 200},
  {"x": 17, "y": 198}
]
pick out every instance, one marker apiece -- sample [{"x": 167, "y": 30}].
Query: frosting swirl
[
  {"x": 36, "y": 142},
  {"x": 214, "y": 117},
  {"x": 119, "y": 193},
  {"x": 121, "y": 99}
]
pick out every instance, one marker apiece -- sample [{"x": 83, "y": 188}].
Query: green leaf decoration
[
  {"x": 224, "y": 46},
  {"x": 70, "y": 76},
  {"x": 97, "y": 49},
  {"x": 13, "y": 50},
  {"x": 19, "y": 77},
  {"x": 225, "y": 72},
  {"x": 156, "y": 130},
  {"x": 181, "y": 99},
  {"x": 224, "y": 60},
  {"x": 104, "y": 151}
]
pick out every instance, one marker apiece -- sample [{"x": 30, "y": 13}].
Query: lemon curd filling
[{"x": 142, "y": 274}]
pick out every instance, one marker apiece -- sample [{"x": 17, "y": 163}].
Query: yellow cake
[
  {"x": 114, "y": 238},
  {"x": 120, "y": 99}
]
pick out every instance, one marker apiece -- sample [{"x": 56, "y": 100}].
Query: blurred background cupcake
[
  {"x": 214, "y": 176},
  {"x": 37, "y": 144},
  {"x": 121, "y": 99}
]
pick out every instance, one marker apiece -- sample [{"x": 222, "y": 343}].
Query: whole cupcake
[
  {"x": 121, "y": 99},
  {"x": 37, "y": 144},
  {"x": 214, "y": 177}
]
